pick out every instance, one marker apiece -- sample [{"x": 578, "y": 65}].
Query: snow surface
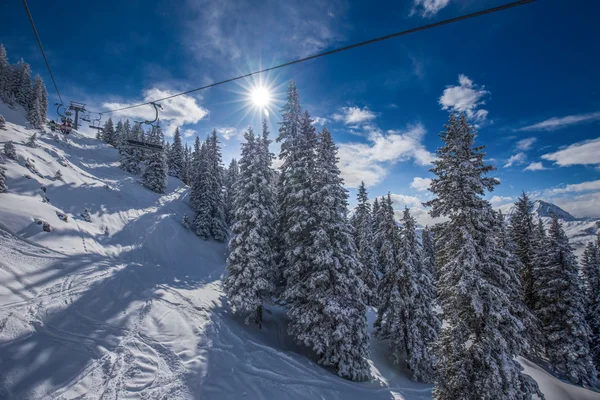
[{"x": 140, "y": 312}]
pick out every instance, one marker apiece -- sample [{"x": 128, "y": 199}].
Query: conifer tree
[
  {"x": 561, "y": 311},
  {"x": 218, "y": 225},
  {"x": 591, "y": 274},
  {"x": 386, "y": 237},
  {"x": 200, "y": 198},
  {"x": 482, "y": 334},
  {"x": 521, "y": 234},
  {"x": 2, "y": 122},
  {"x": 154, "y": 176},
  {"x": 5, "y": 74},
  {"x": 33, "y": 114},
  {"x": 108, "y": 133},
  {"x": 3, "y": 187},
  {"x": 32, "y": 142},
  {"x": 40, "y": 94},
  {"x": 362, "y": 221},
  {"x": 325, "y": 303},
  {"x": 128, "y": 155},
  {"x": 187, "y": 165},
  {"x": 231, "y": 177},
  {"x": 10, "y": 150},
  {"x": 428, "y": 252},
  {"x": 251, "y": 264},
  {"x": 176, "y": 157},
  {"x": 21, "y": 84}
]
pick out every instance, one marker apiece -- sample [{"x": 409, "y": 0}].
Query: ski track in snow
[{"x": 140, "y": 313}]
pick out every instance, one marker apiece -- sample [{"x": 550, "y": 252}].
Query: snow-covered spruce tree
[
  {"x": 10, "y": 151},
  {"x": 405, "y": 315},
  {"x": 176, "y": 156},
  {"x": 41, "y": 95},
  {"x": 32, "y": 142},
  {"x": 231, "y": 177},
  {"x": 120, "y": 136},
  {"x": 591, "y": 273},
  {"x": 200, "y": 197},
  {"x": 3, "y": 187},
  {"x": 294, "y": 188},
  {"x": 21, "y": 84},
  {"x": 521, "y": 234},
  {"x": 325, "y": 303},
  {"x": 561, "y": 311},
  {"x": 5, "y": 74},
  {"x": 428, "y": 252},
  {"x": 108, "y": 133},
  {"x": 128, "y": 155},
  {"x": 387, "y": 238},
  {"x": 154, "y": 176},
  {"x": 86, "y": 215},
  {"x": 362, "y": 222},
  {"x": 2, "y": 122},
  {"x": 34, "y": 115},
  {"x": 218, "y": 224},
  {"x": 58, "y": 176},
  {"x": 251, "y": 264},
  {"x": 482, "y": 334}
]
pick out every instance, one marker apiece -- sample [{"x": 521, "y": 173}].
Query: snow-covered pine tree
[
  {"x": 21, "y": 84},
  {"x": 405, "y": 315},
  {"x": 41, "y": 94},
  {"x": 5, "y": 74},
  {"x": 34, "y": 115},
  {"x": 2, "y": 122},
  {"x": 218, "y": 225},
  {"x": 521, "y": 234},
  {"x": 590, "y": 268},
  {"x": 154, "y": 176},
  {"x": 120, "y": 136},
  {"x": 231, "y": 177},
  {"x": 561, "y": 311},
  {"x": 386, "y": 238},
  {"x": 428, "y": 252},
  {"x": 362, "y": 222},
  {"x": 10, "y": 151},
  {"x": 251, "y": 264},
  {"x": 32, "y": 142},
  {"x": 187, "y": 160},
  {"x": 128, "y": 156},
  {"x": 200, "y": 198},
  {"x": 325, "y": 303},
  {"x": 3, "y": 187},
  {"x": 293, "y": 195},
  {"x": 108, "y": 133},
  {"x": 482, "y": 334},
  {"x": 176, "y": 156}
]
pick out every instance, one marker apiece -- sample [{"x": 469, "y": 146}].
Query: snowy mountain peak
[{"x": 544, "y": 209}]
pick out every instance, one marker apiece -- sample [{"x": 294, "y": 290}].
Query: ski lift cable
[
  {"x": 37, "y": 36},
  {"x": 338, "y": 50}
]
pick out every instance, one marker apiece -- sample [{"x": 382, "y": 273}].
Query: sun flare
[{"x": 260, "y": 97}]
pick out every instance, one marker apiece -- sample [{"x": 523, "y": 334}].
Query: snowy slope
[{"x": 139, "y": 313}]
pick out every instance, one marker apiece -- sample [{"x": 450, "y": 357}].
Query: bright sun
[{"x": 260, "y": 97}]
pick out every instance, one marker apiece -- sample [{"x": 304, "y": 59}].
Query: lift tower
[{"x": 77, "y": 107}]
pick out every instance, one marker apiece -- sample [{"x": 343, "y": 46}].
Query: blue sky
[{"x": 528, "y": 77}]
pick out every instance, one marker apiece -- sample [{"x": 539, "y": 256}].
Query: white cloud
[
  {"x": 501, "y": 200},
  {"x": 320, "y": 120},
  {"x": 417, "y": 210},
  {"x": 189, "y": 132},
  {"x": 580, "y": 153},
  {"x": 579, "y": 187},
  {"x": 516, "y": 159},
  {"x": 555, "y": 123},
  {"x": 535, "y": 166},
  {"x": 586, "y": 205},
  {"x": 369, "y": 162},
  {"x": 227, "y": 132},
  {"x": 466, "y": 97},
  {"x": 354, "y": 115},
  {"x": 175, "y": 112},
  {"x": 428, "y": 8},
  {"x": 420, "y": 184},
  {"x": 525, "y": 144}
]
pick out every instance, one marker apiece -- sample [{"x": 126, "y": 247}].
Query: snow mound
[{"x": 140, "y": 313}]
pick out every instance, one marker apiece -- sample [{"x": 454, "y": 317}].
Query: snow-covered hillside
[
  {"x": 130, "y": 304},
  {"x": 580, "y": 231}
]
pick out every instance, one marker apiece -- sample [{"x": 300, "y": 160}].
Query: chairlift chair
[
  {"x": 145, "y": 145},
  {"x": 96, "y": 123}
]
